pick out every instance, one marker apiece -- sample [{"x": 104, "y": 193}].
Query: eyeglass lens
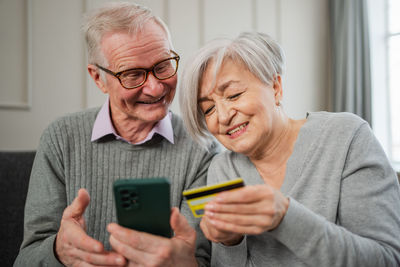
[{"x": 163, "y": 70}]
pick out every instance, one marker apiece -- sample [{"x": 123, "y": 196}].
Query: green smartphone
[{"x": 144, "y": 205}]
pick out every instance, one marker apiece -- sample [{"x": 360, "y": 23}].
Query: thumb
[
  {"x": 78, "y": 206},
  {"x": 181, "y": 227}
]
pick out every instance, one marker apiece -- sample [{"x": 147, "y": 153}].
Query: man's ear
[
  {"x": 94, "y": 73},
  {"x": 278, "y": 89}
]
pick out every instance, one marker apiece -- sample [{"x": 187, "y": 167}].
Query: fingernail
[
  {"x": 119, "y": 261},
  {"x": 209, "y": 206},
  {"x": 110, "y": 227},
  {"x": 219, "y": 199},
  {"x": 209, "y": 213}
]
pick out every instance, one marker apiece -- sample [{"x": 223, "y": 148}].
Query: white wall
[{"x": 53, "y": 78}]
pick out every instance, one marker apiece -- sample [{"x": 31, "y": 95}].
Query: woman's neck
[{"x": 271, "y": 162}]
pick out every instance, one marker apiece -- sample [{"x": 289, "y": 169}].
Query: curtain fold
[{"x": 351, "y": 69}]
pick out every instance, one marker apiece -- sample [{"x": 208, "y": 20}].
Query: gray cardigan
[
  {"x": 67, "y": 160},
  {"x": 344, "y": 201}
]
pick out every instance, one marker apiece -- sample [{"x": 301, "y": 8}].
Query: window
[
  {"x": 385, "y": 68},
  {"x": 393, "y": 44}
]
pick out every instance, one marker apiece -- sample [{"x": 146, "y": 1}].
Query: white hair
[
  {"x": 114, "y": 17},
  {"x": 256, "y": 51}
]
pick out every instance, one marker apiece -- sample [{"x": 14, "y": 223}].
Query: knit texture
[
  {"x": 344, "y": 200},
  {"x": 67, "y": 160}
]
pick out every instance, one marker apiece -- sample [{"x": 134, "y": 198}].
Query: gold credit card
[{"x": 197, "y": 198}]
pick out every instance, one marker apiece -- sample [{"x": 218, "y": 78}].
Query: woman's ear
[
  {"x": 94, "y": 73},
  {"x": 278, "y": 89}
]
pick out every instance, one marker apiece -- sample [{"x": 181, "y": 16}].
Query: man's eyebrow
[{"x": 220, "y": 88}]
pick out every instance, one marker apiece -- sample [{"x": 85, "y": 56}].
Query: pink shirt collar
[{"x": 103, "y": 126}]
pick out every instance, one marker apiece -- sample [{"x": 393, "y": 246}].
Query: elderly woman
[{"x": 319, "y": 191}]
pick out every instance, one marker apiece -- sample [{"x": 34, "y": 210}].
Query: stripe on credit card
[{"x": 197, "y": 198}]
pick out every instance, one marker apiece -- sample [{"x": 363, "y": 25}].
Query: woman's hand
[
  {"x": 218, "y": 236},
  {"x": 249, "y": 210}
]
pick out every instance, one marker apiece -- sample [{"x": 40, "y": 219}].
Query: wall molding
[{"x": 27, "y": 103}]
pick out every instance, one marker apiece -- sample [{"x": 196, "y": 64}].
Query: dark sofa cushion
[{"x": 15, "y": 170}]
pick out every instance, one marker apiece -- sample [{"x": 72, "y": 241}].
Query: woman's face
[{"x": 240, "y": 110}]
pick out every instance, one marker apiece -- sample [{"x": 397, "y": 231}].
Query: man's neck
[{"x": 130, "y": 128}]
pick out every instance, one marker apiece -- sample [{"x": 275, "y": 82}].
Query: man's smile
[{"x": 149, "y": 102}]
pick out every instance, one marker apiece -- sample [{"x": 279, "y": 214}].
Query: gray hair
[
  {"x": 113, "y": 17},
  {"x": 257, "y": 52}
]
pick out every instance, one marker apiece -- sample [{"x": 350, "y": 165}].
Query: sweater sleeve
[
  {"x": 225, "y": 255},
  {"x": 203, "y": 246},
  {"x": 368, "y": 223},
  {"x": 45, "y": 203}
]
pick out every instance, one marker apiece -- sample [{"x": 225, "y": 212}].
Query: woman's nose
[{"x": 224, "y": 112}]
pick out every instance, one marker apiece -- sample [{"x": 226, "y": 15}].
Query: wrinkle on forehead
[
  {"x": 210, "y": 70},
  {"x": 213, "y": 70},
  {"x": 123, "y": 50}
]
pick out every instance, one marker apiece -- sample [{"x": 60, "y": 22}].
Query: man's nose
[{"x": 153, "y": 86}]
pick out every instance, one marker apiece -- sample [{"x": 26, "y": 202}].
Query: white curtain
[{"x": 351, "y": 77}]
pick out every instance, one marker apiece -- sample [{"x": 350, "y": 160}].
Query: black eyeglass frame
[{"x": 147, "y": 70}]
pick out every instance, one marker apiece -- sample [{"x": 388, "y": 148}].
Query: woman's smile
[{"x": 237, "y": 130}]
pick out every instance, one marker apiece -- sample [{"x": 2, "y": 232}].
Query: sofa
[{"x": 15, "y": 170}]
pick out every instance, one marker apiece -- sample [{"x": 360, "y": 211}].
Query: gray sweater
[
  {"x": 344, "y": 201},
  {"x": 67, "y": 160}
]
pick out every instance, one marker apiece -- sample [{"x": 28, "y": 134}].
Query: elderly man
[{"x": 133, "y": 135}]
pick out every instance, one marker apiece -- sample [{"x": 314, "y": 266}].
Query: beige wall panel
[
  {"x": 57, "y": 73},
  {"x": 267, "y": 13},
  {"x": 304, "y": 37},
  {"x": 14, "y": 84},
  {"x": 226, "y": 18},
  {"x": 186, "y": 33}
]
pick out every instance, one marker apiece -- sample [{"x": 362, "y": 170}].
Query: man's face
[{"x": 149, "y": 102}]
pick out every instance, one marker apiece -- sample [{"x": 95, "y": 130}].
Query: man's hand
[
  {"x": 248, "y": 210},
  {"x": 143, "y": 249},
  {"x": 73, "y": 246}
]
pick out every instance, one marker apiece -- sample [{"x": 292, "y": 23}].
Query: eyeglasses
[{"x": 136, "y": 77}]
